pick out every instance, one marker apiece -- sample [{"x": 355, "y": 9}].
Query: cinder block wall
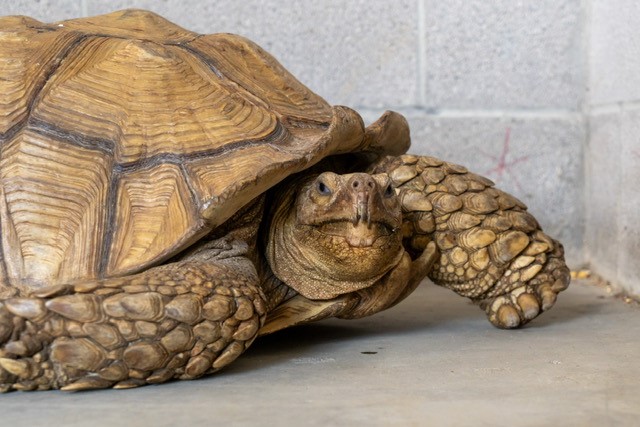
[
  {"x": 539, "y": 95},
  {"x": 613, "y": 148}
]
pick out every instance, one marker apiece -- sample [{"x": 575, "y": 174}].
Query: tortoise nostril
[{"x": 362, "y": 182}]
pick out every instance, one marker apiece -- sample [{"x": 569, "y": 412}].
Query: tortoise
[{"x": 167, "y": 197}]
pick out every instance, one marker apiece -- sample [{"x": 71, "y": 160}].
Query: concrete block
[
  {"x": 603, "y": 189},
  {"x": 629, "y": 203},
  {"x": 538, "y": 160},
  {"x": 354, "y": 53},
  {"x": 614, "y": 51},
  {"x": 43, "y": 10},
  {"x": 503, "y": 54}
]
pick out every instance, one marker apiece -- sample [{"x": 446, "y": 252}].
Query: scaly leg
[
  {"x": 176, "y": 321},
  {"x": 491, "y": 249}
]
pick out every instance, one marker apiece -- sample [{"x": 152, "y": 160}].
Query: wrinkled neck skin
[{"x": 333, "y": 234}]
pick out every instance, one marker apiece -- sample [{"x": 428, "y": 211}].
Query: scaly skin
[
  {"x": 178, "y": 321},
  {"x": 491, "y": 249}
]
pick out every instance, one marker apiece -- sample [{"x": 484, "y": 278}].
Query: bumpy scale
[
  {"x": 176, "y": 321},
  {"x": 492, "y": 250}
]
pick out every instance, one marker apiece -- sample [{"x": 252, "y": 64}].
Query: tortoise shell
[{"x": 125, "y": 138}]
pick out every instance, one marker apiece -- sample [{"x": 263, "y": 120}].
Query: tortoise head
[{"x": 336, "y": 234}]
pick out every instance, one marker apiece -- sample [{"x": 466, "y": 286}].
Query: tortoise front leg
[
  {"x": 177, "y": 321},
  {"x": 491, "y": 249}
]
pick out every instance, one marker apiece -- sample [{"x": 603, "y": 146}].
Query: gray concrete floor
[{"x": 432, "y": 360}]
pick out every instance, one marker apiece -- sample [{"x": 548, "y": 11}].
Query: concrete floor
[{"x": 433, "y": 360}]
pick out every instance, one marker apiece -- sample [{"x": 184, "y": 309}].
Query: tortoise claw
[
  {"x": 87, "y": 383},
  {"x": 130, "y": 383},
  {"x": 529, "y": 305},
  {"x": 507, "y": 317},
  {"x": 25, "y": 386}
]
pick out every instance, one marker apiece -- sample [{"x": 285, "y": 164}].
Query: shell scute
[{"x": 122, "y": 113}]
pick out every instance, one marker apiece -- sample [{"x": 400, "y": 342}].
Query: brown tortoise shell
[{"x": 125, "y": 138}]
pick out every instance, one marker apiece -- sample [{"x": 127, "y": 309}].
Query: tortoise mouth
[{"x": 359, "y": 234}]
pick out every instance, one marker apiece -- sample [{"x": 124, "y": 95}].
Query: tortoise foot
[
  {"x": 517, "y": 307},
  {"x": 523, "y": 304},
  {"x": 526, "y": 302}
]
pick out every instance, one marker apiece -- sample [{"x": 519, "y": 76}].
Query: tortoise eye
[
  {"x": 389, "y": 191},
  {"x": 323, "y": 189}
]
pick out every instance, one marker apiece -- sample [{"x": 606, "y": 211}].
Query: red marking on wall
[{"x": 502, "y": 166}]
